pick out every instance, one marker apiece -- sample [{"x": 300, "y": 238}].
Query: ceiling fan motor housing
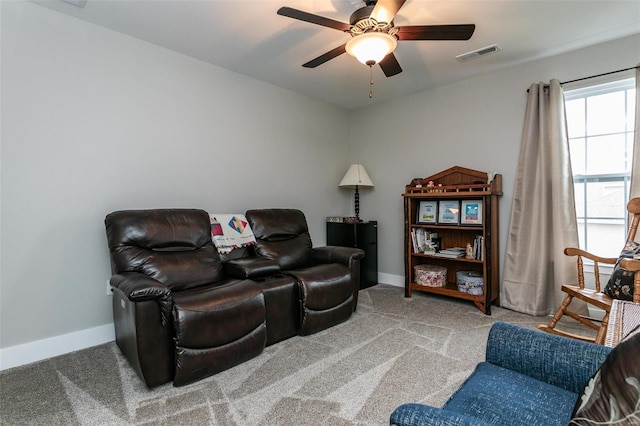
[
  {"x": 362, "y": 22},
  {"x": 360, "y": 14}
]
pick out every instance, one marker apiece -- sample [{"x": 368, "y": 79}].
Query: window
[{"x": 600, "y": 121}]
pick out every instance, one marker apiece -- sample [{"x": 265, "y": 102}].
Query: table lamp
[{"x": 356, "y": 177}]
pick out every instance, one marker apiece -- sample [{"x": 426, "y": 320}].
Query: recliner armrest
[
  {"x": 560, "y": 361},
  {"x": 336, "y": 254},
  {"x": 138, "y": 287},
  {"x": 251, "y": 267}
]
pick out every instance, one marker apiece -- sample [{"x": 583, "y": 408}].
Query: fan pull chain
[{"x": 370, "y": 82}]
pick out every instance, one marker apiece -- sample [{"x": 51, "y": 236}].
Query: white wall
[
  {"x": 475, "y": 124},
  {"x": 95, "y": 121}
]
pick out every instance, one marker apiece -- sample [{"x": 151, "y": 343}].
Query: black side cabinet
[{"x": 362, "y": 235}]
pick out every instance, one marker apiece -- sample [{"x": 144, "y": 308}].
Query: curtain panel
[
  {"x": 634, "y": 189},
  {"x": 543, "y": 216}
]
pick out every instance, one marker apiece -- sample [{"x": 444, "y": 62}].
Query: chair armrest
[
  {"x": 336, "y": 254},
  {"x": 573, "y": 251},
  {"x": 424, "y": 415},
  {"x": 138, "y": 287},
  {"x": 251, "y": 267},
  {"x": 559, "y": 361}
]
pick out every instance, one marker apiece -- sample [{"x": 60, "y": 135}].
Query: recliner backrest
[
  {"x": 172, "y": 246},
  {"x": 281, "y": 235}
]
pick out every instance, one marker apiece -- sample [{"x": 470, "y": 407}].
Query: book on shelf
[
  {"x": 478, "y": 247},
  {"x": 421, "y": 238},
  {"x": 414, "y": 244},
  {"x": 424, "y": 241}
]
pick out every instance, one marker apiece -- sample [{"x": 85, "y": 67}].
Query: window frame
[{"x": 621, "y": 83}]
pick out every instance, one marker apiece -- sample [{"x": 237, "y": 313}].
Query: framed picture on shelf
[
  {"x": 427, "y": 212},
  {"x": 471, "y": 212},
  {"x": 448, "y": 212}
]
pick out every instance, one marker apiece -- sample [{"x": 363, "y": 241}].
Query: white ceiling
[{"x": 247, "y": 36}]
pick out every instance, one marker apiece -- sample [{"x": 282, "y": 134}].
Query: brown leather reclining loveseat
[{"x": 182, "y": 313}]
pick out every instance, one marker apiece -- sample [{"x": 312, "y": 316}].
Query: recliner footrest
[
  {"x": 326, "y": 293},
  {"x": 216, "y": 328}
]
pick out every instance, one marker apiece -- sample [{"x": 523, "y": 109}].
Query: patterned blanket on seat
[{"x": 229, "y": 231}]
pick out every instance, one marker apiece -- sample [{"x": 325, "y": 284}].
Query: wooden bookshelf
[{"x": 456, "y": 184}]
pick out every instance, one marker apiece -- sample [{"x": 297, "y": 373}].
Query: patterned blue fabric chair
[{"x": 529, "y": 378}]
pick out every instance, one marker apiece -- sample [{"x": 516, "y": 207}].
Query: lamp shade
[
  {"x": 356, "y": 176},
  {"x": 370, "y": 48}
]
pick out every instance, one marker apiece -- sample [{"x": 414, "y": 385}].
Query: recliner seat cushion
[{"x": 217, "y": 327}]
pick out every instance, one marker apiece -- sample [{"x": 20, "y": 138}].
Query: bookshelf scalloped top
[{"x": 455, "y": 182}]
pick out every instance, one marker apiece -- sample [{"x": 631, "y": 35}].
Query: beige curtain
[
  {"x": 634, "y": 190},
  {"x": 543, "y": 217}
]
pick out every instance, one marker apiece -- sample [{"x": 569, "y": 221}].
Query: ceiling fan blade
[
  {"x": 314, "y": 19},
  {"x": 326, "y": 57},
  {"x": 390, "y": 65},
  {"x": 436, "y": 32},
  {"x": 385, "y": 10}
]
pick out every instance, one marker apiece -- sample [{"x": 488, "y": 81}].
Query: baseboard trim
[
  {"x": 391, "y": 279},
  {"x": 27, "y": 353}
]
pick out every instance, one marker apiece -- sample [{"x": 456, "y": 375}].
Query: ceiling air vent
[{"x": 477, "y": 53}]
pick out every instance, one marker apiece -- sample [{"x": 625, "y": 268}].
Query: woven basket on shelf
[
  {"x": 470, "y": 282},
  {"x": 430, "y": 275}
]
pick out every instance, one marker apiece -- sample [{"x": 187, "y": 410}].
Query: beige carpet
[{"x": 393, "y": 350}]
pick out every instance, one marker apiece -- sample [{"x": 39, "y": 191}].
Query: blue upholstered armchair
[{"x": 528, "y": 378}]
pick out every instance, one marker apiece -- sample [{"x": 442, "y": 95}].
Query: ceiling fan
[{"x": 374, "y": 37}]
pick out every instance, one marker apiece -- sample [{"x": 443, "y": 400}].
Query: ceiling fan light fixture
[{"x": 371, "y": 47}]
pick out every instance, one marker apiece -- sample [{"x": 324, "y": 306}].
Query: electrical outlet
[{"x": 109, "y": 290}]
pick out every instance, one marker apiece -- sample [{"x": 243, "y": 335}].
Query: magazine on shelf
[
  {"x": 448, "y": 255},
  {"x": 454, "y": 250}
]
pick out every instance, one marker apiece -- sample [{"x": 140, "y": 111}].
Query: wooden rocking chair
[{"x": 596, "y": 297}]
